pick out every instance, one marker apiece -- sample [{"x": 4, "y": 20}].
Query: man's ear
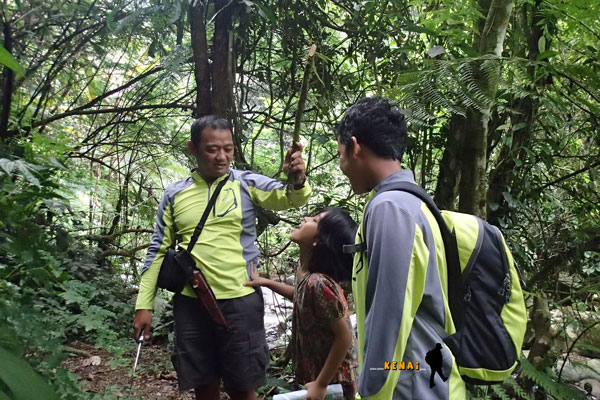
[
  {"x": 356, "y": 149},
  {"x": 191, "y": 148}
]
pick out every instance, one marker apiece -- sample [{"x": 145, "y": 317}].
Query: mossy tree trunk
[{"x": 473, "y": 181}]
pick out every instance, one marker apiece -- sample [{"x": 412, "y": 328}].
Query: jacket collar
[
  {"x": 404, "y": 175},
  {"x": 199, "y": 179}
]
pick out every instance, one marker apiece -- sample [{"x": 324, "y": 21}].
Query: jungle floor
[{"x": 155, "y": 378}]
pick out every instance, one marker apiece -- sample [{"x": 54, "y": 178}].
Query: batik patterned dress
[{"x": 318, "y": 301}]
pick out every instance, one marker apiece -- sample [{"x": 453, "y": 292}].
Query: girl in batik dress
[{"x": 324, "y": 343}]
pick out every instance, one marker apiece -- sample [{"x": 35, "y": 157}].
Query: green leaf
[
  {"x": 546, "y": 54},
  {"x": 23, "y": 382},
  {"x": 420, "y": 29},
  {"x": 110, "y": 19},
  {"x": 95, "y": 89},
  {"x": 545, "y": 381},
  {"x": 500, "y": 392},
  {"x": 152, "y": 49},
  {"x": 542, "y": 44},
  {"x": 510, "y": 199},
  {"x": 323, "y": 56},
  {"x": 7, "y": 59},
  {"x": 322, "y": 139},
  {"x": 176, "y": 13},
  {"x": 519, "y": 126},
  {"x": 468, "y": 49},
  {"x": 266, "y": 12},
  {"x": 407, "y": 77},
  {"x": 7, "y": 165},
  {"x": 24, "y": 169},
  {"x": 56, "y": 163}
]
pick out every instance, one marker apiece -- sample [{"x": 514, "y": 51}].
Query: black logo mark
[{"x": 434, "y": 358}]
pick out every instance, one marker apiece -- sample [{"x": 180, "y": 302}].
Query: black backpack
[{"x": 485, "y": 296}]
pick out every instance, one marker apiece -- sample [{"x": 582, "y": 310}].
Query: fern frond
[
  {"x": 478, "y": 393},
  {"x": 522, "y": 394},
  {"x": 452, "y": 86},
  {"x": 558, "y": 390},
  {"x": 500, "y": 392}
]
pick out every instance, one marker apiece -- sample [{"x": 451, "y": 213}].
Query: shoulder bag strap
[{"x": 207, "y": 210}]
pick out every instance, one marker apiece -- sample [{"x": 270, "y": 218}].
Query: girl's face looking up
[{"x": 306, "y": 233}]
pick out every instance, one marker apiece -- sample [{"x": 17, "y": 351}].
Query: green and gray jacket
[
  {"x": 226, "y": 245},
  {"x": 400, "y": 292}
]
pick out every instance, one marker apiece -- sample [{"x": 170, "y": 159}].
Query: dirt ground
[
  {"x": 111, "y": 377},
  {"x": 154, "y": 377}
]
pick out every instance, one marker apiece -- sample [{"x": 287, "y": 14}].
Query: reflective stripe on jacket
[
  {"x": 400, "y": 292},
  {"x": 226, "y": 245}
]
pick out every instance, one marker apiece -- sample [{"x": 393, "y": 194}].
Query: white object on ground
[{"x": 334, "y": 392}]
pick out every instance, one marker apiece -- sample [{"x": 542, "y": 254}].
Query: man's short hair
[
  {"x": 210, "y": 121},
  {"x": 376, "y": 123}
]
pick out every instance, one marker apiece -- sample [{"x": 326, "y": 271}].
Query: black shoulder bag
[{"x": 178, "y": 267}]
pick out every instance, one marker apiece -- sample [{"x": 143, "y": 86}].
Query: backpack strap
[
  {"x": 354, "y": 248},
  {"x": 455, "y": 287},
  {"x": 450, "y": 248}
]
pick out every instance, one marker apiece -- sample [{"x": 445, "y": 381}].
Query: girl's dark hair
[{"x": 336, "y": 228}]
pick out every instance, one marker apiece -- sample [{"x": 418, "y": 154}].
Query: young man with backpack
[
  {"x": 422, "y": 277},
  {"x": 399, "y": 282}
]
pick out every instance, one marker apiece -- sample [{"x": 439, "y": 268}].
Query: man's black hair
[
  {"x": 376, "y": 123},
  {"x": 208, "y": 121},
  {"x": 336, "y": 228}
]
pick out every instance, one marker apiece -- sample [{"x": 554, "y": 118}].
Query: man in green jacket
[
  {"x": 205, "y": 352},
  {"x": 399, "y": 276}
]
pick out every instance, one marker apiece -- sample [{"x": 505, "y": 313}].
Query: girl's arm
[
  {"x": 286, "y": 291},
  {"x": 342, "y": 338}
]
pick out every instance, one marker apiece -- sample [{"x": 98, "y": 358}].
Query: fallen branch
[{"x": 79, "y": 352}]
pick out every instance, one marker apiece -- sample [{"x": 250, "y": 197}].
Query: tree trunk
[
  {"x": 473, "y": 182},
  {"x": 7, "y": 89},
  {"x": 449, "y": 175},
  {"x": 522, "y": 117},
  {"x": 220, "y": 65},
  {"x": 201, "y": 68}
]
